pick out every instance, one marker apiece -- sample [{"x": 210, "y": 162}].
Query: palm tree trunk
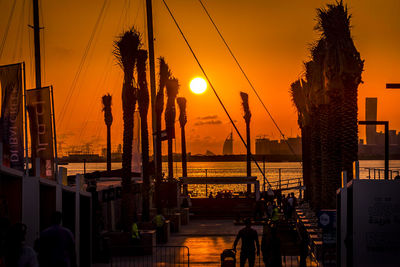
[
  {"x": 145, "y": 167},
  {"x": 183, "y": 145},
  {"x": 248, "y": 156},
  {"x": 184, "y": 159},
  {"x": 158, "y": 166},
  {"x": 170, "y": 160},
  {"x": 350, "y": 127},
  {"x": 128, "y": 208},
  {"x": 108, "y": 148},
  {"x": 316, "y": 160},
  {"x": 305, "y": 146},
  {"x": 335, "y": 151}
]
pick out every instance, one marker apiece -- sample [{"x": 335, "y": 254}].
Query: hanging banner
[
  {"x": 11, "y": 120},
  {"x": 39, "y": 109},
  {"x": 136, "y": 145}
]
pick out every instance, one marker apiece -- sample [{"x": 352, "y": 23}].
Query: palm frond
[
  {"x": 172, "y": 88},
  {"x": 182, "y": 109},
  {"x": 165, "y": 72},
  {"x": 246, "y": 107},
  {"x": 334, "y": 21},
  {"x": 126, "y": 47},
  {"x": 106, "y": 100}
]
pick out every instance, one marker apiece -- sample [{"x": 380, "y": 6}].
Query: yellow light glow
[{"x": 198, "y": 85}]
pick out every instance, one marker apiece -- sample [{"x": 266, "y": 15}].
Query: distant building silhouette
[
  {"x": 371, "y": 106},
  {"x": 265, "y": 146},
  {"x": 228, "y": 145}
]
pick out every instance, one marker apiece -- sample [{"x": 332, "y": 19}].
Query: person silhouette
[
  {"x": 57, "y": 245},
  {"x": 249, "y": 237},
  {"x": 17, "y": 253}
]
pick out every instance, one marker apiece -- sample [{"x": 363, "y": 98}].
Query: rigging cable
[
  {"x": 19, "y": 40},
  {"x": 3, "y": 42},
  {"x": 80, "y": 67},
  {"x": 247, "y": 78},
  {"x": 105, "y": 79},
  {"x": 212, "y": 87},
  {"x": 95, "y": 98}
]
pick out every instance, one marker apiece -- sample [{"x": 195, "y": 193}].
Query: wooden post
[
  {"x": 280, "y": 177},
  {"x": 150, "y": 39},
  {"x": 36, "y": 37},
  {"x": 78, "y": 178}
]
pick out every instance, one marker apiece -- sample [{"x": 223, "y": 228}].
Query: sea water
[{"x": 274, "y": 171}]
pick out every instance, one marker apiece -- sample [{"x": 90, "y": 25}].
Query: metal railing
[
  {"x": 379, "y": 173},
  {"x": 154, "y": 256},
  {"x": 286, "y": 260}
]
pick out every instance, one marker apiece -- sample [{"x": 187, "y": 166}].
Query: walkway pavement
[{"x": 206, "y": 239}]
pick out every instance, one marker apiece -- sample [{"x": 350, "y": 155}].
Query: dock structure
[{"x": 32, "y": 200}]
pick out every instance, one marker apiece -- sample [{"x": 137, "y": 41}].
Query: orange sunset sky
[{"x": 270, "y": 39}]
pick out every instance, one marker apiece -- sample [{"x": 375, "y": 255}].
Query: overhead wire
[
  {"x": 3, "y": 41},
  {"x": 212, "y": 87},
  {"x": 122, "y": 18},
  {"x": 246, "y": 77},
  {"x": 80, "y": 67},
  {"x": 95, "y": 97},
  {"x": 89, "y": 58},
  {"x": 19, "y": 39}
]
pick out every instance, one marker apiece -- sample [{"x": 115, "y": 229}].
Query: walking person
[
  {"x": 57, "y": 245},
  {"x": 17, "y": 254},
  {"x": 249, "y": 239},
  {"x": 159, "y": 222},
  {"x": 291, "y": 205},
  {"x": 271, "y": 246}
]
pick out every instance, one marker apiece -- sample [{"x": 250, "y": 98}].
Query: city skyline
[{"x": 271, "y": 57}]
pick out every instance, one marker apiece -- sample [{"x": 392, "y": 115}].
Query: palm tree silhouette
[
  {"x": 247, "y": 117},
  {"x": 170, "y": 114},
  {"x": 108, "y": 119},
  {"x": 327, "y": 106},
  {"x": 182, "y": 121},
  {"x": 126, "y": 52},
  {"x": 143, "y": 101}
]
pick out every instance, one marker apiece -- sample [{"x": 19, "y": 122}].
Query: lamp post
[{"x": 386, "y": 124}]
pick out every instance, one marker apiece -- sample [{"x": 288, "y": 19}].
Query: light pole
[{"x": 386, "y": 124}]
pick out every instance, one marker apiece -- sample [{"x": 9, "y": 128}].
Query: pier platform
[{"x": 206, "y": 239}]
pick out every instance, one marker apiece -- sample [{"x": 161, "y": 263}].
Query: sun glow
[{"x": 198, "y": 85}]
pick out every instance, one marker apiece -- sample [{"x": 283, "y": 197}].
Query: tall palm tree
[
  {"x": 164, "y": 75},
  {"x": 182, "y": 121},
  {"x": 247, "y": 117},
  {"x": 108, "y": 119},
  {"x": 332, "y": 77},
  {"x": 299, "y": 93},
  {"x": 170, "y": 114},
  {"x": 126, "y": 50},
  {"x": 342, "y": 71},
  {"x": 143, "y": 101}
]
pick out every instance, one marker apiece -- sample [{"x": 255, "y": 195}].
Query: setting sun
[{"x": 198, "y": 85}]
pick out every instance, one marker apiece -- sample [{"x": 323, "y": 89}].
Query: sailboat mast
[
  {"x": 36, "y": 36},
  {"x": 150, "y": 37},
  {"x": 157, "y": 165}
]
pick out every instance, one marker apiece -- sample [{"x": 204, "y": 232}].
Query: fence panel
[{"x": 153, "y": 256}]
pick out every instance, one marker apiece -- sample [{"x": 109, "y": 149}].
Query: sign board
[
  {"x": 376, "y": 222},
  {"x": 327, "y": 222},
  {"x": 11, "y": 116},
  {"x": 39, "y": 109}
]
